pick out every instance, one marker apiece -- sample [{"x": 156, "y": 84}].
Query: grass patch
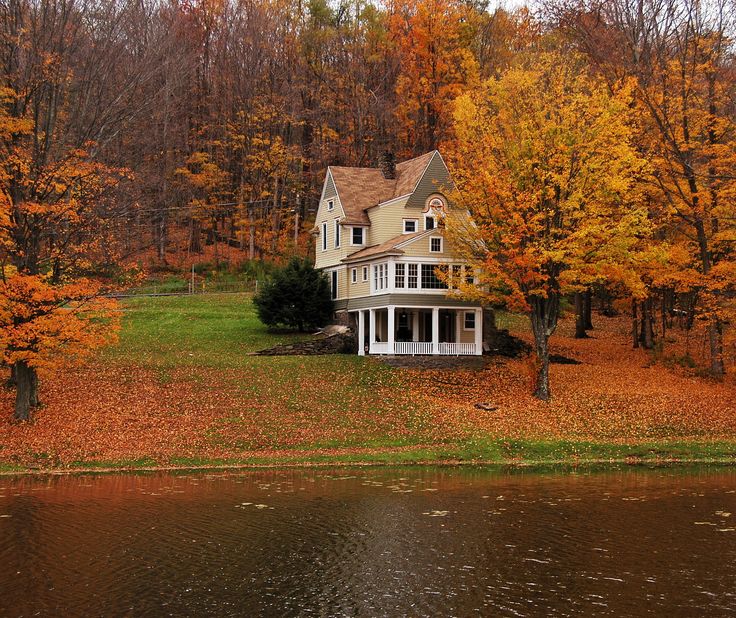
[{"x": 216, "y": 331}]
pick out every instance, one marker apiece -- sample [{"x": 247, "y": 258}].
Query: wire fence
[{"x": 186, "y": 288}]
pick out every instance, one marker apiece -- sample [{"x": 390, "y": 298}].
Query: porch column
[
  {"x": 478, "y": 332},
  {"x": 371, "y": 329},
  {"x": 415, "y": 325},
  {"x": 361, "y": 333},
  {"x": 459, "y": 323},
  {"x": 391, "y": 328},
  {"x": 435, "y": 330}
]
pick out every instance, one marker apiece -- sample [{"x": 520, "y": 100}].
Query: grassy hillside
[{"x": 181, "y": 389}]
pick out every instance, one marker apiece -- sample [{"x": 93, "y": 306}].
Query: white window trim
[
  {"x": 434, "y": 219},
  {"x": 330, "y": 205},
  {"x": 356, "y": 244},
  {"x": 338, "y": 238},
  {"x": 416, "y": 225},
  {"x": 465, "y": 314},
  {"x": 324, "y": 236},
  {"x": 366, "y": 273},
  {"x": 354, "y": 275},
  {"x": 442, "y": 247}
]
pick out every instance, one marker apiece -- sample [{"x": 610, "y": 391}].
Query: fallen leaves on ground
[{"x": 118, "y": 412}]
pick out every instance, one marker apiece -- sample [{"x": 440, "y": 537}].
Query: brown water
[{"x": 373, "y": 542}]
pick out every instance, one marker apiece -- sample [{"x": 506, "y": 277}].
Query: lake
[{"x": 415, "y": 541}]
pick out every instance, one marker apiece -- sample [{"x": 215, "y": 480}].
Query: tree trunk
[
  {"x": 26, "y": 390},
  {"x": 588, "y": 310},
  {"x": 646, "y": 336},
  {"x": 580, "y": 317},
  {"x": 634, "y": 323},
  {"x": 541, "y": 345},
  {"x": 543, "y": 316},
  {"x": 715, "y": 339}
]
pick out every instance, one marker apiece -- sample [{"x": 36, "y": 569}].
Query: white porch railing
[
  {"x": 378, "y": 347},
  {"x": 413, "y": 347},
  {"x": 421, "y": 348},
  {"x": 456, "y": 349}
]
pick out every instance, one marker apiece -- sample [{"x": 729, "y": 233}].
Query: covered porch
[{"x": 449, "y": 331}]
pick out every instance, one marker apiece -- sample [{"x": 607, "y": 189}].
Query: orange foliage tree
[
  {"x": 544, "y": 163},
  {"x": 433, "y": 40},
  {"x": 62, "y": 100}
]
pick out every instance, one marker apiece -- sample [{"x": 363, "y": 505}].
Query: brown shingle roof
[
  {"x": 385, "y": 247},
  {"x": 360, "y": 188}
]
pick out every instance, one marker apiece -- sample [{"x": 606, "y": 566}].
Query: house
[{"x": 380, "y": 239}]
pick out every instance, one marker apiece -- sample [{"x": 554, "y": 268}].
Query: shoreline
[{"x": 677, "y": 454}]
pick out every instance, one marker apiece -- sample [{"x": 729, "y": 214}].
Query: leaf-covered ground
[{"x": 180, "y": 388}]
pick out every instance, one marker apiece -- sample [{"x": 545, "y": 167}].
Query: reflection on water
[{"x": 375, "y": 542}]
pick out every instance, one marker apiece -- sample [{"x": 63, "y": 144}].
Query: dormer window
[
  {"x": 410, "y": 226},
  {"x": 357, "y": 236},
  {"x": 331, "y": 205},
  {"x": 429, "y": 222}
]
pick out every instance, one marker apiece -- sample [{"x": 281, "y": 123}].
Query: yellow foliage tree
[{"x": 544, "y": 163}]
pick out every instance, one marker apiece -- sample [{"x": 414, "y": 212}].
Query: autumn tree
[
  {"x": 679, "y": 56},
  {"x": 68, "y": 84},
  {"x": 543, "y": 160},
  {"x": 433, "y": 40}
]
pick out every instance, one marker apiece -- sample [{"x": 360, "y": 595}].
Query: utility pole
[{"x": 296, "y": 219}]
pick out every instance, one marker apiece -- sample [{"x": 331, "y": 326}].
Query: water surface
[{"x": 370, "y": 542}]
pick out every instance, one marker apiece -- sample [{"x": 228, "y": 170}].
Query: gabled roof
[
  {"x": 361, "y": 188},
  {"x": 390, "y": 247}
]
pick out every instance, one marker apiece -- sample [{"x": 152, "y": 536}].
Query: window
[
  {"x": 429, "y": 222},
  {"x": 365, "y": 273},
  {"x": 354, "y": 275},
  {"x": 334, "y": 284},
  {"x": 469, "y": 322},
  {"x": 337, "y": 233},
  {"x": 357, "y": 238},
  {"x": 436, "y": 203},
  {"x": 324, "y": 237},
  {"x": 380, "y": 277},
  {"x": 456, "y": 275},
  {"x": 412, "y": 278},
  {"x": 469, "y": 278},
  {"x": 331, "y": 205},
  {"x": 410, "y": 226},
  {"x": 400, "y": 271},
  {"x": 435, "y": 244},
  {"x": 430, "y": 280}
]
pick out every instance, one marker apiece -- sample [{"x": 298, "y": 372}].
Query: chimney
[{"x": 388, "y": 165}]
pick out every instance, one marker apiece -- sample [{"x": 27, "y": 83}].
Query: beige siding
[
  {"x": 360, "y": 288},
  {"x": 332, "y": 256},
  {"x": 343, "y": 281},
  {"x": 420, "y": 248},
  {"x": 466, "y": 336},
  {"x": 386, "y": 222}
]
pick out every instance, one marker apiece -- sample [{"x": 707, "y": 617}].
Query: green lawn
[
  {"x": 181, "y": 389},
  {"x": 217, "y": 330}
]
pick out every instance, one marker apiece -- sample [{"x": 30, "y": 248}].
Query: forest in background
[{"x": 150, "y": 135}]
